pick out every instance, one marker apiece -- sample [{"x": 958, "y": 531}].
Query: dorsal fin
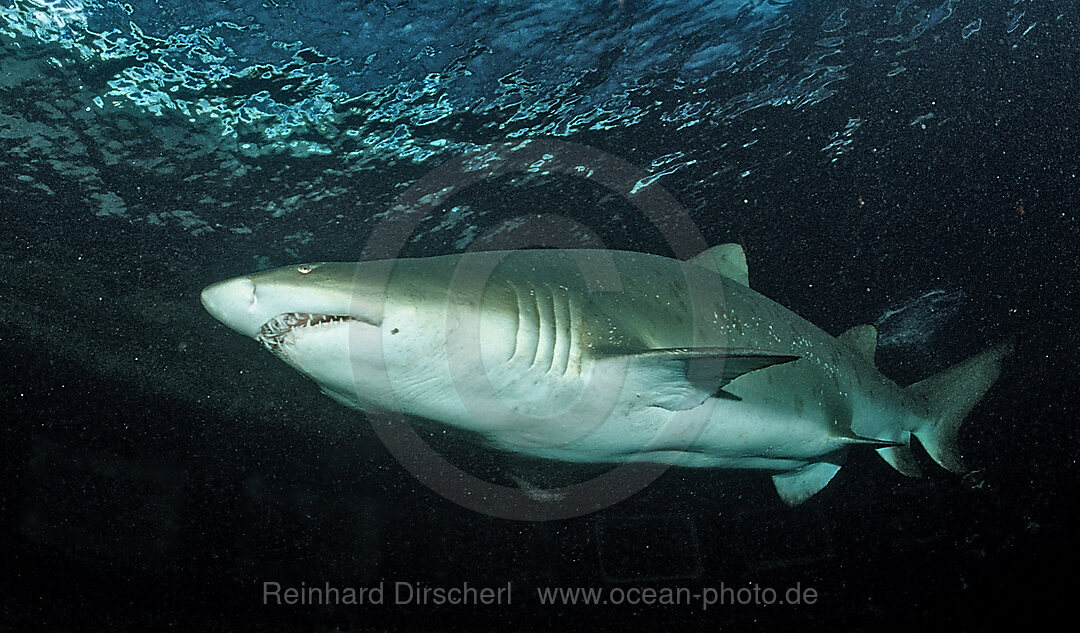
[
  {"x": 861, "y": 338},
  {"x": 727, "y": 259}
]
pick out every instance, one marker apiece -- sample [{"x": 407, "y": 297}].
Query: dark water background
[{"x": 911, "y": 164}]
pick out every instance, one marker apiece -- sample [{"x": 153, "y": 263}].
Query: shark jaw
[
  {"x": 280, "y": 333},
  {"x": 339, "y": 352}
]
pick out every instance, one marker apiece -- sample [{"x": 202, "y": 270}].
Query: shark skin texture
[{"x": 603, "y": 357}]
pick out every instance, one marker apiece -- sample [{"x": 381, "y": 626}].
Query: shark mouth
[{"x": 275, "y": 332}]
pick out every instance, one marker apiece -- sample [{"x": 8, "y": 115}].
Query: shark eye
[{"x": 303, "y": 270}]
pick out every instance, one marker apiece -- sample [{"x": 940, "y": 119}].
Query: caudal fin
[{"x": 946, "y": 398}]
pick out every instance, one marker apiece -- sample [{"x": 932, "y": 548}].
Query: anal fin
[{"x": 902, "y": 459}]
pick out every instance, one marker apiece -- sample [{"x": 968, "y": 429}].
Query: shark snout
[{"x": 232, "y": 302}]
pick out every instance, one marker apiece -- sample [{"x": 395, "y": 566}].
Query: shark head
[
  {"x": 324, "y": 319},
  {"x": 271, "y": 303},
  {"x": 433, "y": 337}
]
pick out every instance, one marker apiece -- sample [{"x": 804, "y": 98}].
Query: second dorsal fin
[{"x": 861, "y": 338}]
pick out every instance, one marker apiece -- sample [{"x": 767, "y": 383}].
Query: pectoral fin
[{"x": 682, "y": 378}]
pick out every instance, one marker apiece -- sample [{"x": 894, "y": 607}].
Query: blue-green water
[{"x": 908, "y": 164}]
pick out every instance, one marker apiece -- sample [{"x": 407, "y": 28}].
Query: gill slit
[
  {"x": 528, "y": 327},
  {"x": 560, "y": 356},
  {"x": 574, "y": 351},
  {"x": 517, "y": 322},
  {"x": 545, "y": 339},
  {"x": 548, "y": 326}
]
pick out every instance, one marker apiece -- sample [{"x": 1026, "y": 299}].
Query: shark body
[{"x": 596, "y": 356}]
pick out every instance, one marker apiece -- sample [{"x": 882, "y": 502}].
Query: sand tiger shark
[{"x": 603, "y": 357}]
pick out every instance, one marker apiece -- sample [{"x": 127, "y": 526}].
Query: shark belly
[{"x": 759, "y": 433}]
